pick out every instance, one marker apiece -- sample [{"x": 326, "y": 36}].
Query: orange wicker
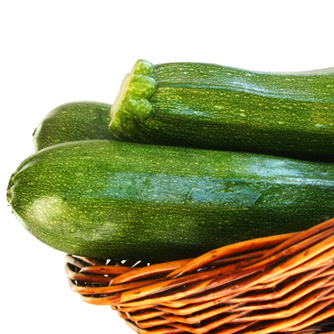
[{"x": 277, "y": 284}]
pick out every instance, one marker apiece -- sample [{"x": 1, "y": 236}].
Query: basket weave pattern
[{"x": 277, "y": 284}]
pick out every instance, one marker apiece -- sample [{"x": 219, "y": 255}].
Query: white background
[{"x": 54, "y": 52}]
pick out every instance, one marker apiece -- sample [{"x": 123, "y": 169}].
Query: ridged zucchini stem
[{"x": 132, "y": 100}]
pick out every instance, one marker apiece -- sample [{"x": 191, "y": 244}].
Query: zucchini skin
[
  {"x": 112, "y": 199},
  {"x": 74, "y": 121},
  {"x": 218, "y": 107}
]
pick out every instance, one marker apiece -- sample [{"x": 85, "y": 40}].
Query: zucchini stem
[{"x": 132, "y": 103}]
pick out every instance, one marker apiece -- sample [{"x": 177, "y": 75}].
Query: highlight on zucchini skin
[{"x": 218, "y": 107}]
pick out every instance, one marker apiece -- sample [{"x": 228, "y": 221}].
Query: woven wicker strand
[{"x": 277, "y": 284}]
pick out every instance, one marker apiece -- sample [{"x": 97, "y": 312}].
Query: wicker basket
[{"x": 277, "y": 284}]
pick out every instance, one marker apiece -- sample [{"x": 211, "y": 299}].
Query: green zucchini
[
  {"x": 218, "y": 107},
  {"x": 114, "y": 199},
  {"x": 74, "y": 121}
]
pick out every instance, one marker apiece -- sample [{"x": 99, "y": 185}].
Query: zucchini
[
  {"x": 113, "y": 199},
  {"x": 224, "y": 108},
  {"x": 74, "y": 121}
]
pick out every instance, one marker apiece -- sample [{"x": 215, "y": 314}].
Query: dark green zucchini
[
  {"x": 73, "y": 121},
  {"x": 125, "y": 200},
  {"x": 218, "y": 107}
]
